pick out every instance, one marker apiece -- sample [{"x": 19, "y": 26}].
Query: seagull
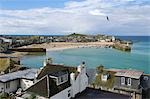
[{"x": 107, "y": 18}]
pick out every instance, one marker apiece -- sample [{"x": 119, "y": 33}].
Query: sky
[{"x": 61, "y": 17}]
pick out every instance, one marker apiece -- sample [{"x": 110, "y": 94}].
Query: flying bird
[{"x": 107, "y": 18}]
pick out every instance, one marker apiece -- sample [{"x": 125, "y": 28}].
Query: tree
[{"x": 100, "y": 69}]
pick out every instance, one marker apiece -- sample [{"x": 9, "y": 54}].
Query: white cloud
[
  {"x": 97, "y": 12},
  {"x": 88, "y": 16}
]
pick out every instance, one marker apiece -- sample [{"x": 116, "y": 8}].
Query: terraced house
[
  {"x": 129, "y": 82},
  {"x": 58, "y": 82},
  {"x": 120, "y": 81},
  {"x": 11, "y": 82}
]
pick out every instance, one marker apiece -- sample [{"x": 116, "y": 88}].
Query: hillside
[{"x": 76, "y": 34}]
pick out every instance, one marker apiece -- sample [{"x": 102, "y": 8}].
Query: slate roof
[
  {"x": 145, "y": 81},
  {"x": 53, "y": 68},
  {"x": 60, "y": 73},
  {"x": 129, "y": 73},
  {"x": 40, "y": 88},
  {"x": 91, "y": 93},
  {"x": 26, "y": 74},
  {"x": 45, "y": 85}
]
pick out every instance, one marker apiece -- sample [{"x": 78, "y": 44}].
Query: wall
[
  {"x": 80, "y": 83},
  {"x": 1, "y": 87},
  {"x": 75, "y": 88},
  {"x": 83, "y": 82},
  {"x": 62, "y": 95},
  {"x": 13, "y": 86},
  {"x": 134, "y": 83},
  {"x": 25, "y": 83}
]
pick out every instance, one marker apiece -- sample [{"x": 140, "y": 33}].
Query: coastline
[
  {"x": 67, "y": 45},
  {"x": 56, "y": 46}
]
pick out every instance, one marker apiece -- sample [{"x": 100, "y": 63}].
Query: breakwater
[
  {"x": 122, "y": 47},
  {"x": 28, "y": 49}
]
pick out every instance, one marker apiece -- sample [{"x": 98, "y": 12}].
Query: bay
[{"x": 138, "y": 58}]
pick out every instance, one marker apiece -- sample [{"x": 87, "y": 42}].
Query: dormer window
[
  {"x": 122, "y": 80},
  {"x": 105, "y": 77},
  {"x": 62, "y": 79},
  {"x": 59, "y": 77},
  {"x": 129, "y": 81}
]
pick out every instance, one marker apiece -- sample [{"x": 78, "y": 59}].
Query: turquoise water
[{"x": 138, "y": 58}]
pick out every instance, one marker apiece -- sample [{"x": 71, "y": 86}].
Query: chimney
[
  {"x": 81, "y": 67},
  {"x": 44, "y": 63},
  {"x": 47, "y": 61}
]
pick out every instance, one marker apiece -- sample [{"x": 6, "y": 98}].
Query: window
[
  {"x": 122, "y": 80},
  {"x": 7, "y": 85},
  {"x": 62, "y": 79},
  {"x": 129, "y": 81},
  {"x": 66, "y": 77}
]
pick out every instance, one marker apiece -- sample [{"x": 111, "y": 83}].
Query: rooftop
[
  {"x": 26, "y": 74},
  {"x": 129, "y": 73},
  {"x": 109, "y": 83},
  {"x": 91, "y": 93},
  {"x": 47, "y": 87},
  {"x": 45, "y": 82},
  {"x": 57, "y": 74},
  {"x": 53, "y": 69}
]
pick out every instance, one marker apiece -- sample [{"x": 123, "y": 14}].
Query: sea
[{"x": 137, "y": 59}]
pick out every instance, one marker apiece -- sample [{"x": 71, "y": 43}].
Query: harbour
[{"x": 138, "y": 58}]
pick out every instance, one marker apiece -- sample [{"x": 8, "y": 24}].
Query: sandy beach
[
  {"x": 66, "y": 45},
  {"x": 54, "y": 46}
]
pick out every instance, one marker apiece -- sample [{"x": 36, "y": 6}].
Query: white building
[
  {"x": 102, "y": 40},
  {"x": 6, "y": 40},
  {"x": 21, "y": 79},
  {"x": 79, "y": 82},
  {"x": 113, "y": 38},
  {"x": 59, "y": 82}
]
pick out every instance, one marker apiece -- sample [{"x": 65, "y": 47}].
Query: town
[
  {"x": 56, "y": 81},
  {"x": 9, "y": 42},
  {"x": 74, "y": 49}
]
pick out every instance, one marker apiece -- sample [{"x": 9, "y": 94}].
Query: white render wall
[
  {"x": 83, "y": 82},
  {"x": 62, "y": 95},
  {"x": 25, "y": 83},
  {"x": 75, "y": 88},
  {"x": 80, "y": 83},
  {"x": 13, "y": 86}
]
